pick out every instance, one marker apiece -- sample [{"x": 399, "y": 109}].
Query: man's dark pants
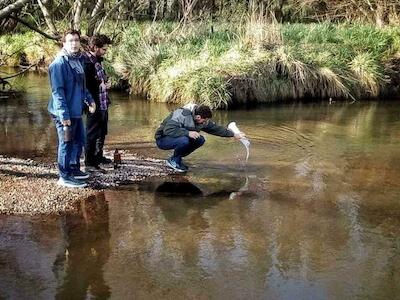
[
  {"x": 182, "y": 145},
  {"x": 97, "y": 128}
]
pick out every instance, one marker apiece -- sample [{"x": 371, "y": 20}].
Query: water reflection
[
  {"x": 50, "y": 257},
  {"x": 79, "y": 269},
  {"x": 211, "y": 248}
]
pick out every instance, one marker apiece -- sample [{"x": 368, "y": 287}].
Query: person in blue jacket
[{"x": 68, "y": 95}]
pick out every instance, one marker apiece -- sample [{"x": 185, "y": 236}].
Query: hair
[
  {"x": 71, "y": 31},
  {"x": 99, "y": 40},
  {"x": 203, "y": 111}
]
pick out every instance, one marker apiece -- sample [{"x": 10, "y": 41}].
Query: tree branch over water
[
  {"x": 19, "y": 73},
  {"x": 9, "y": 9},
  {"x": 52, "y": 37}
]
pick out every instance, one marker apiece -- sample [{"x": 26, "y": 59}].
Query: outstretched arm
[{"x": 215, "y": 129}]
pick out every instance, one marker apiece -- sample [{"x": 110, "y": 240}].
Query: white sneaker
[{"x": 72, "y": 183}]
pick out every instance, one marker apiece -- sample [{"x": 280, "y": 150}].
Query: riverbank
[
  {"x": 224, "y": 64},
  {"x": 30, "y": 187}
]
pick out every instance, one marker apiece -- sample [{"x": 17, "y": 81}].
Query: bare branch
[
  {"x": 3, "y": 2},
  {"x": 17, "y": 5},
  {"x": 52, "y": 37},
  {"x": 111, "y": 11},
  {"x": 19, "y": 73},
  {"x": 99, "y": 5},
  {"x": 187, "y": 9}
]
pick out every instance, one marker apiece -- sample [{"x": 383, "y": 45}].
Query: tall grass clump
[
  {"x": 28, "y": 46},
  {"x": 256, "y": 61},
  {"x": 168, "y": 65}
]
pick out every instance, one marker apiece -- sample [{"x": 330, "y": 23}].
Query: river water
[{"x": 314, "y": 214}]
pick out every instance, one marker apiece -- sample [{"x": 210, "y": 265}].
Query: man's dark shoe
[
  {"x": 78, "y": 174},
  {"x": 94, "y": 168},
  {"x": 175, "y": 166},
  {"x": 105, "y": 160}
]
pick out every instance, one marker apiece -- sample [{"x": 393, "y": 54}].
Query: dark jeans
[
  {"x": 182, "y": 145},
  {"x": 97, "y": 128},
  {"x": 69, "y": 153}
]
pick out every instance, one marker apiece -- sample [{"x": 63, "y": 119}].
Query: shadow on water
[
  {"x": 199, "y": 185},
  {"x": 172, "y": 189}
]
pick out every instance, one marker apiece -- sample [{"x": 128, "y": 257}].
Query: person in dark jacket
[
  {"x": 68, "y": 96},
  {"x": 98, "y": 85},
  {"x": 181, "y": 131}
]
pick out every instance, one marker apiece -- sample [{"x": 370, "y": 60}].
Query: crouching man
[{"x": 181, "y": 131}]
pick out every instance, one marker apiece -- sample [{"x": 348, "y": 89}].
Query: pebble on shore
[{"x": 30, "y": 187}]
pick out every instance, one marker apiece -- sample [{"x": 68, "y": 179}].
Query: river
[{"x": 314, "y": 214}]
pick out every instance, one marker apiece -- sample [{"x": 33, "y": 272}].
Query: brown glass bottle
[{"x": 117, "y": 159}]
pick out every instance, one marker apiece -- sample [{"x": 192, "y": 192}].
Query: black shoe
[
  {"x": 105, "y": 160},
  {"x": 94, "y": 168}
]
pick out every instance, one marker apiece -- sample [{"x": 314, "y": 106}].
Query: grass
[
  {"x": 250, "y": 62},
  {"x": 257, "y": 62},
  {"x": 29, "y": 44}
]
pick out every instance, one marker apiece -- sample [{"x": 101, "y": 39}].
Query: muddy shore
[{"x": 30, "y": 187}]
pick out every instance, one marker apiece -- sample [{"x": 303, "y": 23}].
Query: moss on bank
[{"x": 253, "y": 62}]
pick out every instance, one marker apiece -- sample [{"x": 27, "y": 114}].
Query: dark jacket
[
  {"x": 92, "y": 83},
  {"x": 181, "y": 121}
]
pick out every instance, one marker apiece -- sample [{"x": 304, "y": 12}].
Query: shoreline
[{"x": 29, "y": 187}]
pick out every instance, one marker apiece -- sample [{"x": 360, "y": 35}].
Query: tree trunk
[
  {"x": 78, "y": 4},
  {"x": 152, "y": 9},
  {"x": 165, "y": 8},
  {"x": 175, "y": 9},
  {"x": 7, "y": 25},
  {"x": 47, "y": 16},
  {"x": 16, "y": 6},
  {"x": 381, "y": 15},
  {"x": 95, "y": 17}
]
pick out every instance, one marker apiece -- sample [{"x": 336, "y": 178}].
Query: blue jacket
[{"x": 68, "y": 89}]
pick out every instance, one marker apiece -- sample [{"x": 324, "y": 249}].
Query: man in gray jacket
[{"x": 180, "y": 131}]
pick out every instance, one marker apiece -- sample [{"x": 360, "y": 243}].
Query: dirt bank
[{"x": 30, "y": 187}]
